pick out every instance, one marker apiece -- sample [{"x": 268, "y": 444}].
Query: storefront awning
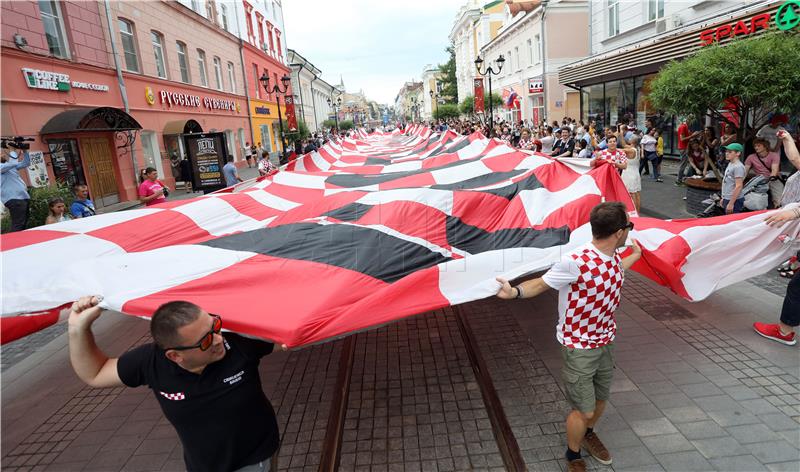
[
  {"x": 182, "y": 127},
  {"x": 90, "y": 119},
  {"x": 650, "y": 55}
]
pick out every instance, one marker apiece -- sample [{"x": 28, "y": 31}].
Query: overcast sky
[{"x": 374, "y": 45}]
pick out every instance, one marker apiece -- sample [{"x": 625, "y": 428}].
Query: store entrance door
[{"x": 99, "y": 170}]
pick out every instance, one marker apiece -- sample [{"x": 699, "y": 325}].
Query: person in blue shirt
[
  {"x": 14, "y": 192},
  {"x": 82, "y": 206}
]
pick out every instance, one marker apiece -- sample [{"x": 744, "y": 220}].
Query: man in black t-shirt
[
  {"x": 207, "y": 383},
  {"x": 565, "y": 145}
]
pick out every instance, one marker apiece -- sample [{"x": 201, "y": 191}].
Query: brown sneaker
[
  {"x": 578, "y": 465},
  {"x": 592, "y": 444}
]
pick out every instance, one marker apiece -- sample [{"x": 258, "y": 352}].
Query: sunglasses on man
[
  {"x": 628, "y": 226},
  {"x": 207, "y": 340}
]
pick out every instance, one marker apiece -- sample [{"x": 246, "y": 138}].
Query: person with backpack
[{"x": 82, "y": 206}]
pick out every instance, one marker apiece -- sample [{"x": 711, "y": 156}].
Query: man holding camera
[{"x": 14, "y": 191}]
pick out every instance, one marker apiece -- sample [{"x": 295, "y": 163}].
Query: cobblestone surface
[
  {"x": 414, "y": 402},
  {"x": 15, "y": 351}
]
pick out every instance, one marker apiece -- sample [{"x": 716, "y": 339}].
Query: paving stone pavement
[{"x": 694, "y": 389}]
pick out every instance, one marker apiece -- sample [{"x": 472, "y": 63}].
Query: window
[
  {"x": 256, "y": 82},
  {"x": 516, "y": 58},
  {"x": 613, "y": 17},
  {"x": 231, "y": 144},
  {"x": 201, "y": 64},
  {"x": 129, "y": 45},
  {"x": 530, "y": 52},
  {"x": 54, "y": 28},
  {"x": 655, "y": 9},
  {"x": 195, "y": 6},
  {"x": 158, "y": 52},
  {"x": 152, "y": 153},
  {"x": 231, "y": 78},
  {"x": 183, "y": 62},
  {"x": 210, "y": 10},
  {"x": 278, "y": 42},
  {"x": 260, "y": 20},
  {"x": 510, "y": 62},
  {"x": 224, "y": 13},
  {"x": 537, "y": 49},
  {"x": 218, "y": 72}
]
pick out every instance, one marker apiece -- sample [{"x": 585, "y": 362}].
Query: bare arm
[
  {"x": 633, "y": 256},
  {"x": 91, "y": 364},
  {"x": 791, "y": 149},
  {"x": 530, "y": 288}
]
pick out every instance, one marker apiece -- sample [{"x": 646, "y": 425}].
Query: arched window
[
  {"x": 128, "y": 36},
  {"x": 158, "y": 51}
]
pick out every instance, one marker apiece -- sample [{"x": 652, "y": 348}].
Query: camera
[
  {"x": 166, "y": 191},
  {"x": 16, "y": 142}
]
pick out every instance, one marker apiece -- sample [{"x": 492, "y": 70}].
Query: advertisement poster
[
  {"x": 291, "y": 118},
  {"x": 37, "y": 171},
  {"x": 478, "y": 86},
  {"x": 207, "y": 154},
  {"x": 535, "y": 85}
]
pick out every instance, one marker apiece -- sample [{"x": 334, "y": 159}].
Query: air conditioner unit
[
  {"x": 661, "y": 25},
  {"x": 676, "y": 21},
  {"x": 265, "y": 47}
]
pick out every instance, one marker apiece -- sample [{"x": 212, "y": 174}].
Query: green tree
[
  {"x": 752, "y": 77},
  {"x": 345, "y": 125},
  {"x": 329, "y": 124},
  {"x": 301, "y": 133},
  {"x": 449, "y": 90},
  {"x": 467, "y": 105},
  {"x": 446, "y": 111}
]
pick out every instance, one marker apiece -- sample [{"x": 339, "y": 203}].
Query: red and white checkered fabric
[
  {"x": 618, "y": 156},
  {"x": 588, "y": 322},
  {"x": 173, "y": 396}
]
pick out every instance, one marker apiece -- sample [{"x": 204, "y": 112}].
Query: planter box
[{"x": 698, "y": 190}]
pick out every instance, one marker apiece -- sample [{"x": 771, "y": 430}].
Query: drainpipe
[
  {"x": 314, "y": 103},
  {"x": 300, "y": 88},
  {"x": 120, "y": 82},
  {"x": 590, "y": 29},
  {"x": 247, "y": 92},
  {"x": 544, "y": 63}
]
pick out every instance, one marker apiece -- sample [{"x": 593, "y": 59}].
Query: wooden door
[{"x": 99, "y": 170}]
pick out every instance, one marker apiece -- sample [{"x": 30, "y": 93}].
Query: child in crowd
[{"x": 57, "y": 211}]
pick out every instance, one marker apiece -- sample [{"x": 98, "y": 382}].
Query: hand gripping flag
[{"x": 365, "y": 231}]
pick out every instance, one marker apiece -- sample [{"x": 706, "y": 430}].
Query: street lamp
[
  {"x": 285, "y": 80},
  {"x": 335, "y": 104},
  {"x": 415, "y": 107},
  {"x": 489, "y": 72},
  {"x": 435, "y": 100}
]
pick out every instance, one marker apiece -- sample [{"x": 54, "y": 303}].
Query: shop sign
[
  {"x": 207, "y": 155},
  {"x": 37, "y": 170},
  {"x": 46, "y": 80},
  {"x": 262, "y": 111},
  {"x": 195, "y": 101},
  {"x": 786, "y": 18},
  {"x": 535, "y": 85}
]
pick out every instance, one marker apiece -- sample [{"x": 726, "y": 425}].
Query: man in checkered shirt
[
  {"x": 612, "y": 155},
  {"x": 588, "y": 280}
]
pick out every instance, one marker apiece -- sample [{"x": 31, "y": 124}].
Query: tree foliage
[
  {"x": 467, "y": 105},
  {"x": 446, "y": 111},
  {"x": 755, "y": 76},
  {"x": 300, "y": 133},
  {"x": 448, "y": 79},
  {"x": 345, "y": 125},
  {"x": 329, "y": 124}
]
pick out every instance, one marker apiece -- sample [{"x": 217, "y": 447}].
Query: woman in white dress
[{"x": 631, "y": 176}]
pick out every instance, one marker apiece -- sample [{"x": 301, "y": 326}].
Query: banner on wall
[
  {"x": 535, "y": 85},
  {"x": 291, "y": 118},
  {"x": 478, "y": 87},
  {"x": 37, "y": 170}
]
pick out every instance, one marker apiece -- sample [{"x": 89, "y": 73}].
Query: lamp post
[
  {"x": 285, "y": 80},
  {"x": 335, "y": 104},
  {"x": 489, "y": 72},
  {"x": 415, "y": 108},
  {"x": 435, "y": 101}
]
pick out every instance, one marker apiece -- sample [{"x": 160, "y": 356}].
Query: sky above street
[{"x": 374, "y": 45}]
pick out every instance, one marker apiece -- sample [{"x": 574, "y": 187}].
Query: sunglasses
[
  {"x": 628, "y": 226},
  {"x": 207, "y": 340}
]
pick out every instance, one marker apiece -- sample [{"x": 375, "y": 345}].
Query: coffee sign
[
  {"x": 47, "y": 80},
  {"x": 786, "y": 18}
]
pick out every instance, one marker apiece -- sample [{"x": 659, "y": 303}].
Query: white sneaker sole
[{"x": 788, "y": 343}]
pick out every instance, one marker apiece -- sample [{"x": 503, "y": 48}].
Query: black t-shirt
[
  {"x": 561, "y": 146},
  {"x": 222, "y": 415}
]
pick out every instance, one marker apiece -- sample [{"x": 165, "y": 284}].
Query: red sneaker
[{"x": 773, "y": 331}]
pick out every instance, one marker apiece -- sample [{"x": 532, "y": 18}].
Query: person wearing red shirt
[{"x": 684, "y": 135}]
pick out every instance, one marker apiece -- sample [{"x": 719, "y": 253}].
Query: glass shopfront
[{"x": 625, "y": 101}]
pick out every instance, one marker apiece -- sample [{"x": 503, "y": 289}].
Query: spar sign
[{"x": 786, "y": 18}]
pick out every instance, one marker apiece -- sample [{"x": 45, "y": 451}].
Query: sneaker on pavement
[
  {"x": 596, "y": 448},
  {"x": 773, "y": 332},
  {"x": 577, "y": 465}
]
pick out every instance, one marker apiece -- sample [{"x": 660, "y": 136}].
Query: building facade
[
  {"x": 304, "y": 75},
  {"x": 430, "y": 83},
  {"x": 533, "y": 50},
  {"x": 409, "y": 102},
  {"x": 476, "y": 24},
  {"x": 630, "y": 42}
]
